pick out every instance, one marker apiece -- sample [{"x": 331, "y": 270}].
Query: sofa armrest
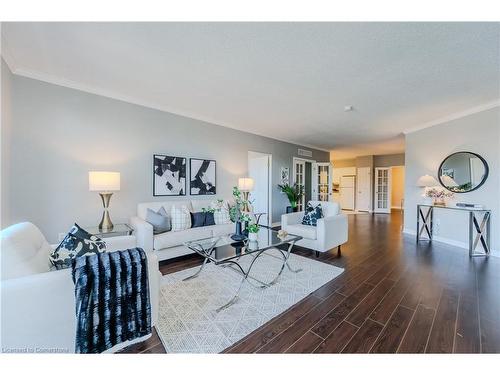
[
  {"x": 38, "y": 312},
  {"x": 143, "y": 232},
  {"x": 291, "y": 218},
  {"x": 332, "y": 231}
]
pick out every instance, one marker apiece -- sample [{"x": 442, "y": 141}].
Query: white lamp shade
[
  {"x": 104, "y": 181},
  {"x": 427, "y": 181},
  {"x": 245, "y": 184}
]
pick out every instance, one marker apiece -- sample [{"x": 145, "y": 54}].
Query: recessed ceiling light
[{"x": 348, "y": 108}]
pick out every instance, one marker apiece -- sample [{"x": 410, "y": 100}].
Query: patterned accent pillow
[
  {"x": 180, "y": 218},
  {"x": 312, "y": 214},
  {"x": 221, "y": 216},
  {"x": 78, "y": 242}
]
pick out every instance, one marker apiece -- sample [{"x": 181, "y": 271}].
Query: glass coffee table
[{"x": 225, "y": 252}]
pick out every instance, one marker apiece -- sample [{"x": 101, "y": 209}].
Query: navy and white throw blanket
[{"x": 112, "y": 299}]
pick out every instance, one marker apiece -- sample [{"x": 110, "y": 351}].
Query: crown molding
[
  {"x": 136, "y": 101},
  {"x": 454, "y": 116}
]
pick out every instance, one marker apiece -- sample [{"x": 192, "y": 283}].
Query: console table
[{"x": 477, "y": 232}]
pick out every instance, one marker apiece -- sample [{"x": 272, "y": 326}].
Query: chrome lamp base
[{"x": 106, "y": 220}]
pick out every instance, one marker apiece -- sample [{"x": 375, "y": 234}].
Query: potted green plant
[
  {"x": 294, "y": 194},
  {"x": 238, "y": 215},
  {"x": 253, "y": 230}
]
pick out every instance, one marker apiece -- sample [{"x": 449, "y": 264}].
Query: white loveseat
[
  {"x": 169, "y": 245},
  {"x": 331, "y": 231},
  {"x": 38, "y": 305}
]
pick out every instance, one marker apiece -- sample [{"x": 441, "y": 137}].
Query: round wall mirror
[{"x": 463, "y": 172}]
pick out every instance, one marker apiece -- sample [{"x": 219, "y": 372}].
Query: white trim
[
  {"x": 455, "y": 116},
  {"x": 277, "y": 224},
  {"x": 270, "y": 180},
  {"x": 448, "y": 241},
  {"x": 133, "y": 100}
]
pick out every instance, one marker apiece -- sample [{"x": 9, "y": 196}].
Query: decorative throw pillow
[
  {"x": 222, "y": 216},
  {"x": 198, "y": 219},
  {"x": 202, "y": 219},
  {"x": 159, "y": 220},
  {"x": 78, "y": 242},
  {"x": 312, "y": 214},
  {"x": 181, "y": 218},
  {"x": 209, "y": 218}
]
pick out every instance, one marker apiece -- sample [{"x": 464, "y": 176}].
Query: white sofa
[
  {"x": 170, "y": 244},
  {"x": 331, "y": 231},
  {"x": 38, "y": 305}
]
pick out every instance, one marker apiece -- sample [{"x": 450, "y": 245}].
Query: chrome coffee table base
[{"x": 235, "y": 266}]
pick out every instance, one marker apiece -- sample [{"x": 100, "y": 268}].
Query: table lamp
[
  {"x": 245, "y": 185},
  {"x": 105, "y": 183},
  {"x": 427, "y": 181}
]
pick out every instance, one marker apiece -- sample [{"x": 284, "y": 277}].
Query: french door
[
  {"x": 299, "y": 171},
  {"x": 383, "y": 190},
  {"x": 322, "y": 182}
]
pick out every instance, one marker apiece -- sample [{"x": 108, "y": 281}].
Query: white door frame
[
  {"x": 314, "y": 177},
  {"x": 294, "y": 159},
  {"x": 386, "y": 210},
  {"x": 270, "y": 187},
  {"x": 370, "y": 195}
]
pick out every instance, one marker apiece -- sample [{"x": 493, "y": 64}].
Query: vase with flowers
[
  {"x": 238, "y": 215},
  {"x": 438, "y": 195}
]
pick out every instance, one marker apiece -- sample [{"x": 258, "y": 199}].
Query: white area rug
[{"x": 188, "y": 322}]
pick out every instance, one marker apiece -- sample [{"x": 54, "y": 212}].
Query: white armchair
[
  {"x": 331, "y": 231},
  {"x": 38, "y": 305}
]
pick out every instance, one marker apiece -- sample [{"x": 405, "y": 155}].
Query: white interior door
[
  {"x": 299, "y": 170},
  {"x": 383, "y": 190},
  {"x": 364, "y": 189},
  {"x": 259, "y": 168},
  {"x": 322, "y": 182}
]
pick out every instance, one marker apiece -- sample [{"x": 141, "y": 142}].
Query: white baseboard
[{"x": 448, "y": 241}]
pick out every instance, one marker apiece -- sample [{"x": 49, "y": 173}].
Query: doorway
[
  {"x": 260, "y": 170},
  {"x": 303, "y": 176},
  {"x": 398, "y": 187},
  {"x": 389, "y": 189}
]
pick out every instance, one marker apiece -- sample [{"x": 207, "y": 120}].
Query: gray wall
[
  {"x": 425, "y": 149},
  {"x": 5, "y": 94},
  {"x": 59, "y": 134},
  {"x": 389, "y": 160}
]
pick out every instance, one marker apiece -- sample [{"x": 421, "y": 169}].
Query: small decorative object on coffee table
[
  {"x": 253, "y": 232},
  {"x": 223, "y": 251}
]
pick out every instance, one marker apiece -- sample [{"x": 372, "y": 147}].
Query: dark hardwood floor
[{"x": 394, "y": 297}]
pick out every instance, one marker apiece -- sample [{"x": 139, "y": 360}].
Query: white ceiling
[{"x": 288, "y": 81}]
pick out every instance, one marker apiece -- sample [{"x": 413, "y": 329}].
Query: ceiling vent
[{"x": 307, "y": 153}]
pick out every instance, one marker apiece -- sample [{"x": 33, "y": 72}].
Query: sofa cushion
[
  {"x": 181, "y": 218},
  {"x": 171, "y": 239},
  {"x": 199, "y": 205},
  {"x": 306, "y": 231},
  {"x": 142, "y": 208},
  {"x": 24, "y": 251},
  {"x": 78, "y": 242},
  {"x": 159, "y": 220}
]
